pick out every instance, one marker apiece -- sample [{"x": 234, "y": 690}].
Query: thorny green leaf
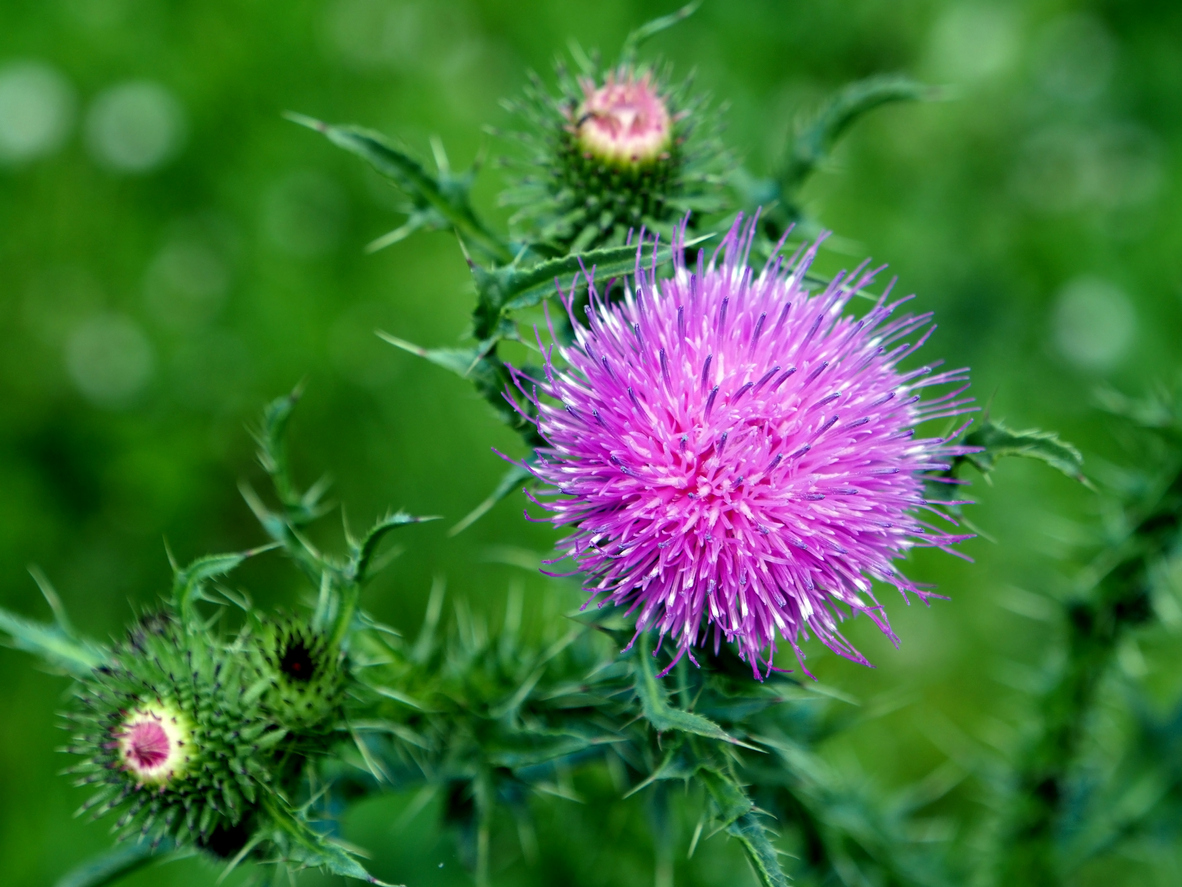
[
  {"x": 728, "y": 795},
  {"x": 428, "y": 219},
  {"x": 314, "y": 848},
  {"x": 999, "y": 441},
  {"x": 187, "y": 583},
  {"x": 109, "y": 867},
  {"x": 363, "y": 552},
  {"x": 467, "y": 363},
  {"x": 634, "y": 40},
  {"x": 446, "y": 194},
  {"x": 512, "y": 288},
  {"x": 814, "y": 142},
  {"x": 675, "y": 765},
  {"x": 515, "y": 475},
  {"x": 51, "y": 643},
  {"x": 761, "y": 852},
  {"x": 272, "y": 441},
  {"x": 655, "y": 702}
]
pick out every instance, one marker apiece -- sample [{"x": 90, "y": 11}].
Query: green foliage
[
  {"x": 110, "y": 867},
  {"x": 990, "y": 440},
  {"x": 639, "y": 36},
  {"x": 655, "y": 704},
  {"x": 817, "y": 138}
]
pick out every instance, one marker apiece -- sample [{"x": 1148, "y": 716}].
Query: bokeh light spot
[
  {"x": 974, "y": 41},
  {"x": 135, "y": 127},
  {"x": 1094, "y": 323},
  {"x": 109, "y": 359},
  {"x": 36, "y": 111},
  {"x": 186, "y": 284},
  {"x": 1074, "y": 58}
]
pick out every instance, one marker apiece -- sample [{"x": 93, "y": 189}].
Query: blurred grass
[{"x": 230, "y": 267}]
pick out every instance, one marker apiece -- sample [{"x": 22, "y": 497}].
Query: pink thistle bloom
[
  {"x": 625, "y": 121},
  {"x": 737, "y": 456},
  {"x": 154, "y": 744}
]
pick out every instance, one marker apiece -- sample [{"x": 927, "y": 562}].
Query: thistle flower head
[
  {"x": 612, "y": 152},
  {"x": 625, "y": 121},
  {"x": 737, "y": 456}
]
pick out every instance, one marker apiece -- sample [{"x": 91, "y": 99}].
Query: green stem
[{"x": 346, "y": 607}]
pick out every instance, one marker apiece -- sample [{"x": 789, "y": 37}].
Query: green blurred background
[{"x": 173, "y": 253}]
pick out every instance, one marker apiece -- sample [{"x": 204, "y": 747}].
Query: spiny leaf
[
  {"x": 187, "y": 582},
  {"x": 485, "y": 370},
  {"x": 272, "y": 441},
  {"x": 110, "y": 866},
  {"x": 429, "y": 219},
  {"x": 764, "y": 857},
  {"x": 446, "y": 194},
  {"x": 674, "y": 765},
  {"x": 314, "y": 848},
  {"x": 512, "y": 288},
  {"x": 816, "y": 140},
  {"x": 728, "y": 795},
  {"x": 998, "y": 441},
  {"x": 467, "y": 363},
  {"x": 55, "y": 602},
  {"x": 364, "y": 551},
  {"x": 634, "y": 40},
  {"x": 51, "y": 643},
  {"x": 507, "y": 484},
  {"x": 656, "y": 707}
]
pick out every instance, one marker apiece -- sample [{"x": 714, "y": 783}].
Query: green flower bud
[
  {"x": 172, "y": 733},
  {"x": 304, "y": 675}
]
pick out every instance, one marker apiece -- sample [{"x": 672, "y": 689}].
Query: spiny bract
[
  {"x": 737, "y": 454},
  {"x": 171, "y": 731}
]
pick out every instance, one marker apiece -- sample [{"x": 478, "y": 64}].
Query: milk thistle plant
[{"x": 743, "y": 453}]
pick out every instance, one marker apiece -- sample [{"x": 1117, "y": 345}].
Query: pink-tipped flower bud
[
  {"x": 625, "y": 121},
  {"x": 154, "y": 744},
  {"x": 615, "y": 151}
]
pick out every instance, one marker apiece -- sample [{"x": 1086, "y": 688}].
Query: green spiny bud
[
  {"x": 304, "y": 674},
  {"x": 168, "y": 733}
]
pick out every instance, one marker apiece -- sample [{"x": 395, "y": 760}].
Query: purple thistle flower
[{"x": 737, "y": 456}]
